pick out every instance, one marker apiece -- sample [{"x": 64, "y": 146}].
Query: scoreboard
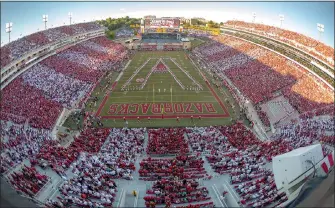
[{"x": 162, "y": 23}]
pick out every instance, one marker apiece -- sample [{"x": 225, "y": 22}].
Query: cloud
[{"x": 122, "y": 9}]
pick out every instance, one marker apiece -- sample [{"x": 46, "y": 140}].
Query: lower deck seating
[
  {"x": 174, "y": 191},
  {"x": 28, "y": 180},
  {"x": 184, "y": 167}
]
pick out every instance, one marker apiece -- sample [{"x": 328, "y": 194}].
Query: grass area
[{"x": 156, "y": 97}]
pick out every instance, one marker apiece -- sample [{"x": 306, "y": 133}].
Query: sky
[{"x": 301, "y": 17}]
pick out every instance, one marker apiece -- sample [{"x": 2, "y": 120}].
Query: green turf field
[{"x": 180, "y": 91}]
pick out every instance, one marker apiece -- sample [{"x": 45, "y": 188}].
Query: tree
[
  {"x": 110, "y": 34},
  {"x": 221, "y": 23}
]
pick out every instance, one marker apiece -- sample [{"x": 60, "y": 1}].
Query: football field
[{"x": 163, "y": 89}]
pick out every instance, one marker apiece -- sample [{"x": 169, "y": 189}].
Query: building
[{"x": 150, "y": 17}]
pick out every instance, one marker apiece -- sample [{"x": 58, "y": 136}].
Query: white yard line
[
  {"x": 135, "y": 73},
  {"x": 187, "y": 74},
  {"x": 149, "y": 74}
]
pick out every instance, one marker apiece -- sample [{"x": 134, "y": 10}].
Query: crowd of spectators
[
  {"x": 99, "y": 156},
  {"x": 122, "y": 147},
  {"x": 19, "y": 143},
  {"x": 56, "y": 86},
  {"x": 260, "y": 193},
  {"x": 182, "y": 166},
  {"x": 97, "y": 54},
  {"x": 167, "y": 141},
  {"x": 197, "y": 33},
  {"x": 307, "y": 95},
  {"x": 72, "y": 69},
  {"x": 124, "y": 33},
  {"x": 199, "y": 205},
  {"x": 19, "y": 47},
  {"x": 175, "y": 191},
  {"x": 264, "y": 118},
  {"x": 235, "y": 150},
  {"x": 92, "y": 184},
  {"x": 62, "y": 80},
  {"x": 94, "y": 172},
  {"x": 308, "y": 44},
  {"x": 243, "y": 63},
  {"x": 327, "y": 110},
  {"x": 60, "y": 158},
  {"x": 28, "y": 180},
  {"x": 29, "y": 102}
]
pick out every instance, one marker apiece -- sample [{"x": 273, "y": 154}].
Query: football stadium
[{"x": 137, "y": 109}]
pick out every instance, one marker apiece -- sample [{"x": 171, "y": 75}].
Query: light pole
[
  {"x": 45, "y": 20},
  {"x": 281, "y": 18},
  {"x": 253, "y": 17},
  {"x": 9, "y": 27},
  {"x": 321, "y": 29},
  {"x": 70, "y": 17}
]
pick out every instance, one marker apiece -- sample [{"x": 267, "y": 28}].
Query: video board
[{"x": 162, "y": 23}]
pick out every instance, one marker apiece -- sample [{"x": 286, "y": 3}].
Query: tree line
[{"x": 113, "y": 24}]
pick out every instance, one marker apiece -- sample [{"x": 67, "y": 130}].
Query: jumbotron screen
[{"x": 162, "y": 23}]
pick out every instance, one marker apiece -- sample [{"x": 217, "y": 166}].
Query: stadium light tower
[
  {"x": 45, "y": 20},
  {"x": 253, "y": 17},
  {"x": 9, "y": 27},
  {"x": 321, "y": 29},
  {"x": 70, "y": 17},
  {"x": 281, "y": 18}
]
